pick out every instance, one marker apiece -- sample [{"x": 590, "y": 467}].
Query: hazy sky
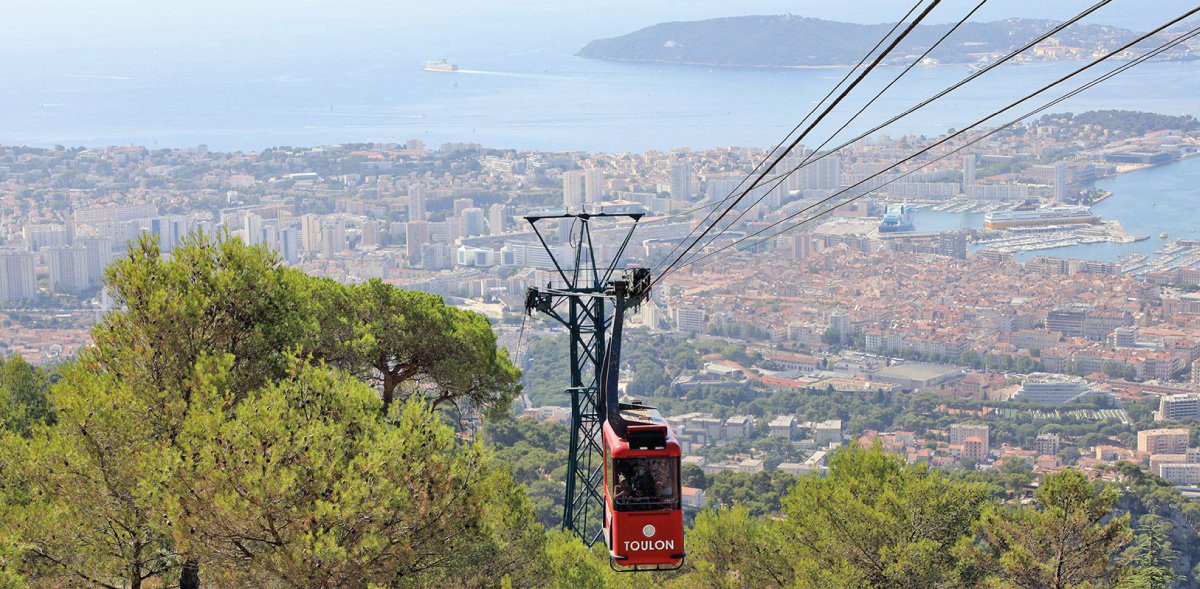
[
  {"x": 242, "y": 73},
  {"x": 70, "y": 24}
]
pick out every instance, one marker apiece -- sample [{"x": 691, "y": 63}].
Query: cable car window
[{"x": 645, "y": 484}]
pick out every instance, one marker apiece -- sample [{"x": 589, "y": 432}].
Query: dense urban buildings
[{"x": 852, "y": 303}]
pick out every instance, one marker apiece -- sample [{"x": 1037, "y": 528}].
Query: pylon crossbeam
[{"x": 584, "y": 317}]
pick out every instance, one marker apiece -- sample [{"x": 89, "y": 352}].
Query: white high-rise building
[
  {"x": 473, "y": 222},
  {"x": 774, "y": 198},
  {"x": 252, "y": 228},
  {"x": 681, "y": 180},
  {"x": 454, "y": 229},
  {"x": 68, "y": 268},
  {"x": 797, "y": 179},
  {"x": 719, "y": 187},
  {"x": 170, "y": 229},
  {"x": 968, "y": 163},
  {"x": 1180, "y": 473},
  {"x": 593, "y": 186},
  {"x": 1124, "y": 337},
  {"x": 97, "y": 215},
  {"x": 1184, "y": 406},
  {"x": 839, "y": 322},
  {"x": 40, "y": 235},
  {"x": 440, "y": 232},
  {"x": 287, "y": 240},
  {"x": 821, "y": 171},
  {"x": 436, "y": 256},
  {"x": 17, "y": 278},
  {"x": 416, "y": 204},
  {"x": 416, "y": 234},
  {"x": 1062, "y": 183},
  {"x": 121, "y": 232},
  {"x": 462, "y": 204},
  {"x": 333, "y": 237},
  {"x": 310, "y": 232},
  {"x": 827, "y": 174},
  {"x": 497, "y": 218},
  {"x": 99, "y": 252},
  {"x": 370, "y": 234},
  {"x": 573, "y": 192},
  {"x": 688, "y": 319}
]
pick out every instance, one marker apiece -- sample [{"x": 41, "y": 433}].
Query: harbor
[
  {"x": 1183, "y": 253},
  {"x": 1156, "y": 206},
  {"x": 1036, "y": 238}
]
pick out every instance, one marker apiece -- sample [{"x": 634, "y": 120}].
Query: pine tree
[
  {"x": 1151, "y": 556},
  {"x": 1071, "y": 540},
  {"x": 730, "y": 548},
  {"x": 411, "y": 343},
  {"x": 876, "y": 521},
  {"x": 96, "y": 498},
  {"x": 306, "y": 482}
]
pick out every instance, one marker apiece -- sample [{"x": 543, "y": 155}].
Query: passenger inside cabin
[{"x": 643, "y": 483}]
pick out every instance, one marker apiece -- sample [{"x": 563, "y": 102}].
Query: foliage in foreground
[
  {"x": 877, "y": 522},
  {"x": 224, "y": 429},
  {"x": 216, "y": 431}
]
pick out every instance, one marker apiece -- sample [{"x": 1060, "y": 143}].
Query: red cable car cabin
[{"x": 643, "y": 516}]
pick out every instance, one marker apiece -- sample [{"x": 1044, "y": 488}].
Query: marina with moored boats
[
  {"x": 1043, "y": 237},
  {"x": 1183, "y": 253}
]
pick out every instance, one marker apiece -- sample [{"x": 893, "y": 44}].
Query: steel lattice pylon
[{"x": 587, "y": 323}]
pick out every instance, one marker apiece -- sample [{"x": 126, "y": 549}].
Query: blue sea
[
  {"x": 238, "y": 75},
  {"x": 250, "y": 75}
]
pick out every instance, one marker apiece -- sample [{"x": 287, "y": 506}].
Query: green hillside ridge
[{"x": 795, "y": 41}]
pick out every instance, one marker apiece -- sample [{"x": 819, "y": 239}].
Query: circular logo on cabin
[{"x": 648, "y": 531}]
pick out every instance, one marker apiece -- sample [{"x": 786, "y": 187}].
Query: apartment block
[{"x": 1163, "y": 441}]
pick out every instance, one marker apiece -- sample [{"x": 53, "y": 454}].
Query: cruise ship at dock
[
  {"x": 1068, "y": 215},
  {"x": 897, "y": 218}
]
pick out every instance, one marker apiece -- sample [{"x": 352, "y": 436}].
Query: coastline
[
  {"x": 1146, "y": 209},
  {"x": 957, "y": 64},
  {"x": 1138, "y": 168}
]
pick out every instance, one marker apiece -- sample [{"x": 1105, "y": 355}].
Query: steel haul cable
[
  {"x": 852, "y": 118},
  {"x": 1187, "y": 36},
  {"x": 845, "y": 92},
  {"x": 1191, "y": 34},
  {"x": 1006, "y": 58},
  {"x": 795, "y": 129}
]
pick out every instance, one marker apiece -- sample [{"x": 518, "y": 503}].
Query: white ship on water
[{"x": 440, "y": 65}]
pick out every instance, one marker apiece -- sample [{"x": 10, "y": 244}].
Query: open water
[
  {"x": 239, "y": 75},
  {"x": 249, "y": 75}
]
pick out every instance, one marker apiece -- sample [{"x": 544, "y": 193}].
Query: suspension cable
[
  {"x": 845, "y": 92},
  {"x": 1105, "y": 77},
  {"x": 1006, "y": 58},
  {"x": 852, "y": 118},
  {"x": 766, "y": 157}
]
